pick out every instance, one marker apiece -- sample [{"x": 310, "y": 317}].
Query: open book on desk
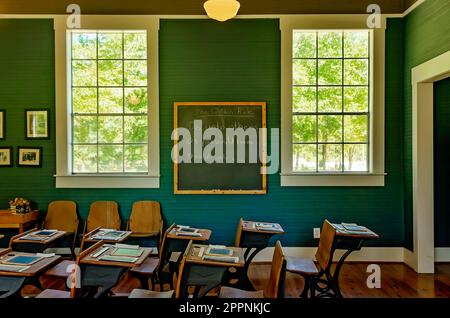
[
  {"x": 263, "y": 226},
  {"x": 108, "y": 234},
  {"x": 218, "y": 258}
]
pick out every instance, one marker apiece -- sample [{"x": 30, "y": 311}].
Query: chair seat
[
  {"x": 54, "y": 293},
  {"x": 61, "y": 270},
  {"x": 148, "y": 267},
  {"x": 301, "y": 266},
  {"x": 143, "y": 293},
  {"x": 229, "y": 292}
]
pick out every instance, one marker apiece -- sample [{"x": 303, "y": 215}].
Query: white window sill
[
  {"x": 332, "y": 179},
  {"x": 108, "y": 181}
]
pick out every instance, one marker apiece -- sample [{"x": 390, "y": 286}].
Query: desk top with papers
[
  {"x": 188, "y": 233},
  {"x": 20, "y": 264},
  {"x": 40, "y": 237},
  {"x": 108, "y": 235},
  {"x": 216, "y": 255},
  {"x": 120, "y": 255},
  {"x": 354, "y": 230},
  {"x": 262, "y": 227}
]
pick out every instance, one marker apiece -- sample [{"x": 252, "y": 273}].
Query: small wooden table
[
  {"x": 254, "y": 240},
  {"x": 24, "y": 243},
  {"x": 12, "y": 282},
  {"x": 10, "y": 220},
  {"x": 208, "y": 273}
]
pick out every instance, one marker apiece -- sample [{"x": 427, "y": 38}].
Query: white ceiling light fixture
[{"x": 221, "y": 10}]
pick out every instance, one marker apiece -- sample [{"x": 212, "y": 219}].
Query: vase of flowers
[{"x": 19, "y": 205}]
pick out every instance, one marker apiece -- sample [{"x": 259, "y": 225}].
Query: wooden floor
[{"x": 397, "y": 280}]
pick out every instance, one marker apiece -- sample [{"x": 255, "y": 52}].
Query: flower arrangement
[{"x": 19, "y": 205}]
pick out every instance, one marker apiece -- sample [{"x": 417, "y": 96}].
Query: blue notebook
[{"x": 22, "y": 260}]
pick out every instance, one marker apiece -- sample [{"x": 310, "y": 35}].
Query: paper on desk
[{"x": 45, "y": 255}]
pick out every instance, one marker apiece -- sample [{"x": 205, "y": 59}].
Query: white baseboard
[{"x": 442, "y": 254}]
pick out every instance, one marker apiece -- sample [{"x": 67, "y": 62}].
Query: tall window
[
  {"x": 331, "y": 101},
  {"x": 109, "y": 102}
]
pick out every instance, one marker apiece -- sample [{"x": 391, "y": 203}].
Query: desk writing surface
[
  {"x": 206, "y": 234},
  {"x": 47, "y": 240},
  {"x": 249, "y": 226},
  {"x": 90, "y": 259},
  {"x": 340, "y": 231},
  {"x": 34, "y": 269},
  {"x": 194, "y": 258}
]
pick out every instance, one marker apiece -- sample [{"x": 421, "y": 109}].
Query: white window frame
[
  {"x": 375, "y": 176},
  {"x": 64, "y": 176}
]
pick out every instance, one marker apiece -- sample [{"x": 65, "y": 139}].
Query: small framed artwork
[
  {"x": 2, "y": 124},
  {"x": 36, "y": 124},
  {"x": 6, "y": 157},
  {"x": 29, "y": 157}
]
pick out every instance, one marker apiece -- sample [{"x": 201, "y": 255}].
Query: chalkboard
[{"x": 193, "y": 174}]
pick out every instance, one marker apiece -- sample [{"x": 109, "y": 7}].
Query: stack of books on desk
[
  {"x": 220, "y": 253},
  {"x": 41, "y": 235},
  {"x": 108, "y": 234},
  {"x": 261, "y": 226},
  {"x": 183, "y": 230},
  {"x": 353, "y": 228}
]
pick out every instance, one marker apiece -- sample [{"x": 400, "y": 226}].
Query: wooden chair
[
  {"x": 275, "y": 287},
  {"x": 103, "y": 214},
  {"x": 62, "y": 215},
  {"x": 308, "y": 269},
  {"x": 152, "y": 267},
  {"x": 237, "y": 241},
  {"x": 145, "y": 220},
  {"x": 142, "y": 293}
]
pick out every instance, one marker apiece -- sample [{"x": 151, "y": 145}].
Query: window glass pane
[
  {"x": 84, "y": 129},
  {"x": 356, "y": 99},
  {"x": 330, "y": 99},
  {"x": 110, "y": 129},
  {"x": 356, "y": 72},
  {"x": 84, "y": 45},
  {"x": 356, "y": 44},
  {"x": 330, "y": 44},
  {"x": 84, "y": 159},
  {"x": 304, "y": 72},
  {"x": 355, "y": 128},
  {"x": 330, "y": 128},
  {"x": 136, "y": 158},
  {"x": 109, "y": 45},
  {"x": 110, "y": 100},
  {"x": 330, "y": 72},
  {"x": 135, "y": 129},
  {"x": 304, "y": 157},
  {"x": 84, "y": 100},
  {"x": 110, "y": 158},
  {"x": 304, "y": 128},
  {"x": 84, "y": 73},
  {"x": 330, "y": 157},
  {"x": 304, "y": 44},
  {"x": 304, "y": 99},
  {"x": 136, "y": 100},
  {"x": 110, "y": 73},
  {"x": 135, "y": 73},
  {"x": 135, "y": 45},
  {"x": 355, "y": 157}
]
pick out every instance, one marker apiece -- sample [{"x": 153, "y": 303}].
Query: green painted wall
[
  {"x": 441, "y": 166},
  {"x": 427, "y": 35},
  {"x": 207, "y": 61}
]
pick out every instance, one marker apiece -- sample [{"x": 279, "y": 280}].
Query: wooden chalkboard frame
[{"x": 264, "y": 146}]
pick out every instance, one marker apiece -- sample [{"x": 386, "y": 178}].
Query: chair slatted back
[
  {"x": 146, "y": 217},
  {"x": 277, "y": 271},
  {"x": 237, "y": 241},
  {"x": 103, "y": 214},
  {"x": 325, "y": 249},
  {"x": 62, "y": 215}
]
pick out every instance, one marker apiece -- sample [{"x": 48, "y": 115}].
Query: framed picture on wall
[
  {"x": 36, "y": 124},
  {"x": 29, "y": 157},
  {"x": 2, "y": 124},
  {"x": 6, "y": 157}
]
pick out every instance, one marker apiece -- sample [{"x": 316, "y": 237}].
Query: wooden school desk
[
  {"x": 105, "y": 273},
  {"x": 253, "y": 240},
  {"x": 207, "y": 273},
  {"x": 10, "y": 220},
  {"x": 20, "y": 243},
  {"x": 344, "y": 240},
  {"x": 12, "y": 282}
]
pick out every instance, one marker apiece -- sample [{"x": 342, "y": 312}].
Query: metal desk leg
[{"x": 244, "y": 281}]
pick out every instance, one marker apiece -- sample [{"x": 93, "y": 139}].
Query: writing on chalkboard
[{"x": 219, "y": 148}]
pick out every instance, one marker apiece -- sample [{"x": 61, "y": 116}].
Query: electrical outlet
[{"x": 316, "y": 233}]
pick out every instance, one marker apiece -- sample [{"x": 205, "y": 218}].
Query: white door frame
[{"x": 423, "y": 77}]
